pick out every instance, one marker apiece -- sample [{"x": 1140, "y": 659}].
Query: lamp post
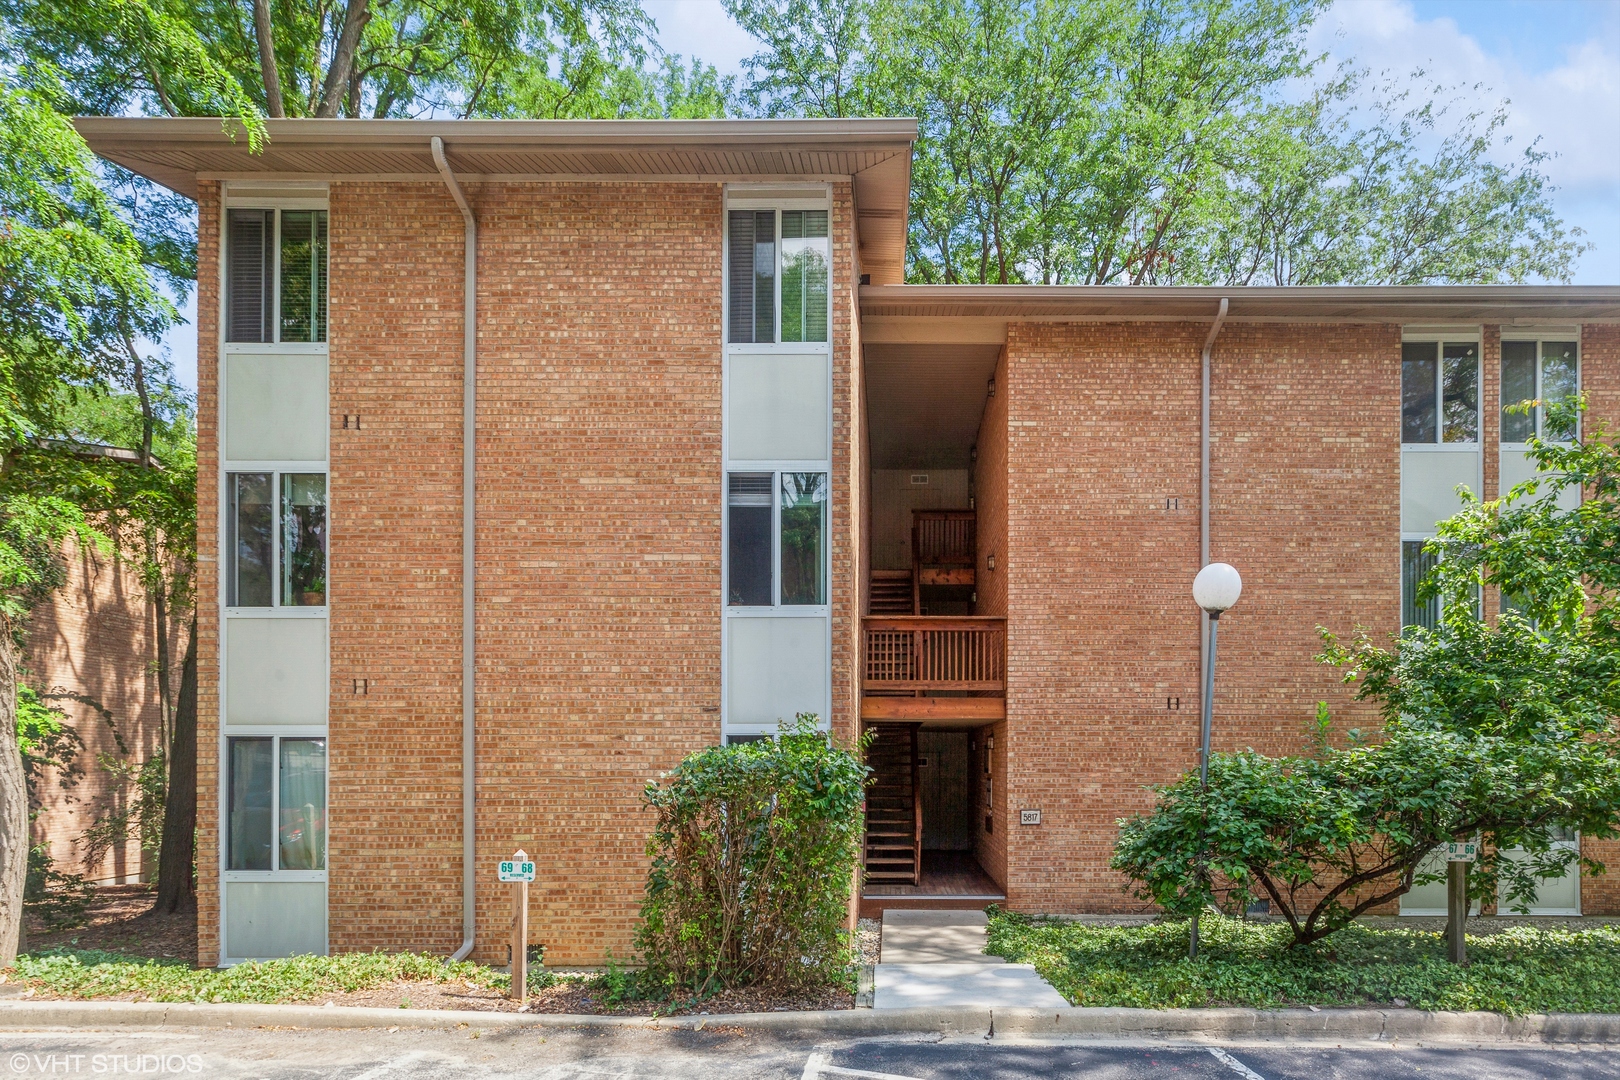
[{"x": 1215, "y": 589}]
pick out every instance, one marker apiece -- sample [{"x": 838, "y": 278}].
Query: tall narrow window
[
  {"x": 1416, "y": 564},
  {"x": 1518, "y": 387},
  {"x": 1459, "y": 390},
  {"x": 248, "y": 806},
  {"x": 1439, "y": 392},
  {"x": 303, "y": 539},
  {"x": 805, "y": 259},
  {"x": 276, "y": 275},
  {"x": 752, "y": 288},
  {"x": 804, "y": 538},
  {"x": 250, "y": 542},
  {"x": 748, "y": 539},
  {"x": 1558, "y": 383},
  {"x": 276, "y": 542},
  {"x": 303, "y": 275},
  {"x": 1417, "y": 392},
  {"x": 250, "y": 282},
  {"x": 303, "y": 804}
]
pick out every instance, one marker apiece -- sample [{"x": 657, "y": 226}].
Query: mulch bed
[{"x": 120, "y": 919}]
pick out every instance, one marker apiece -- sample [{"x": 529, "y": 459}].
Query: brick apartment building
[{"x": 728, "y": 468}]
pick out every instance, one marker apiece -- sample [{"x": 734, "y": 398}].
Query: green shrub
[
  {"x": 753, "y": 857},
  {"x": 1524, "y": 969}
]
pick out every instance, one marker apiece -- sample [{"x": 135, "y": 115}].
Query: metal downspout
[
  {"x": 1203, "y": 491},
  {"x": 469, "y": 492}
]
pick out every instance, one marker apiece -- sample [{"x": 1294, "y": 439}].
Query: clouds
[{"x": 1562, "y": 88}]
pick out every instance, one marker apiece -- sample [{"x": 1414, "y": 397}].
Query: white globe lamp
[{"x": 1217, "y": 587}]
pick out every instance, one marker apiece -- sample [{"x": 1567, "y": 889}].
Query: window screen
[
  {"x": 805, "y": 257},
  {"x": 249, "y": 284},
  {"x": 748, "y": 539},
  {"x": 752, "y": 286},
  {"x": 1416, "y": 564}
]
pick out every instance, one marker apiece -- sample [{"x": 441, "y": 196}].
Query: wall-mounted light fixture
[
  {"x": 992, "y": 386},
  {"x": 990, "y": 561}
]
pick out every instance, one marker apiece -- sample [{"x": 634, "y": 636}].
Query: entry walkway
[{"x": 938, "y": 958}]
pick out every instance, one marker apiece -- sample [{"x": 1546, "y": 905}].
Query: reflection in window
[
  {"x": 1417, "y": 392},
  {"x": 303, "y": 804},
  {"x": 804, "y": 538},
  {"x": 303, "y": 275},
  {"x": 752, "y": 286},
  {"x": 248, "y": 804},
  {"x": 303, "y": 539},
  {"x": 1416, "y": 564},
  {"x": 250, "y": 527},
  {"x": 748, "y": 540},
  {"x": 1546, "y": 371},
  {"x": 805, "y": 258},
  {"x": 1460, "y": 392}
]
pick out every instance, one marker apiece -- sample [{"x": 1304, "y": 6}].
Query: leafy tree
[
  {"x": 1158, "y": 142},
  {"x": 1499, "y": 729}
]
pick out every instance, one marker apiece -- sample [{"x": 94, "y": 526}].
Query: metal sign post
[
  {"x": 520, "y": 871},
  {"x": 1459, "y": 855}
]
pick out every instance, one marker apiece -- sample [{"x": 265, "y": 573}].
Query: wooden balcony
[{"x": 922, "y": 667}]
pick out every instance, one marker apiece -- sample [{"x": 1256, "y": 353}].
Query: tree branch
[
  {"x": 265, "y": 37},
  {"x": 355, "y": 17}
]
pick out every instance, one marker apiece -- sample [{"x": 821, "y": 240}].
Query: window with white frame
[
  {"x": 1417, "y": 564},
  {"x": 1537, "y": 371},
  {"x": 275, "y": 275},
  {"x": 777, "y": 276},
  {"x": 776, "y": 539},
  {"x": 1439, "y": 392},
  {"x": 275, "y": 544},
  {"x": 275, "y": 803}
]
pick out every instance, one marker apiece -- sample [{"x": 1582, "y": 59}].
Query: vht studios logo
[{"x": 105, "y": 1064}]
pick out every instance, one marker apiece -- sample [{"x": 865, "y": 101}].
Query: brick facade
[
  {"x": 209, "y": 215},
  {"x": 92, "y": 646}
]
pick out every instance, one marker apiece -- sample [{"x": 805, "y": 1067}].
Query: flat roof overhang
[
  {"x": 979, "y": 314},
  {"x": 875, "y": 154}
]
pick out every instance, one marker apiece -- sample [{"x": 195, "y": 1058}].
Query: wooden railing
[
  {"x": 921, "y": 653},
  {"x": 943, "y": 538}
]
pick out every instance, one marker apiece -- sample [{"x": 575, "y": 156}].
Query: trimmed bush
[{"x": 753, "y": 858}]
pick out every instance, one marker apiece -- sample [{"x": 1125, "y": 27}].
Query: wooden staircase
[
  {"x": 891, "y": 592},
  {"x": 893, "y": 807}
]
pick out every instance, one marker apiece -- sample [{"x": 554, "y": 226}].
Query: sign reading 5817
[{"x": 512, "y": 870}]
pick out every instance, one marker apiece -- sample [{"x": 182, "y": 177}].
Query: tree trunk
[
  {"x": 176, "y": 891},
  {"x": 264, "y": 35},
  {"x": 14, "y": 838}
]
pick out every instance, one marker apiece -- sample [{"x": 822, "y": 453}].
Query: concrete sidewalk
[{"x": 936, "y": 959}]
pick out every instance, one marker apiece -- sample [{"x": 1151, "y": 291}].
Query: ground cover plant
[
  {"x": 1516, "y": 971},
  {"x": 754, "y": 853},
  {"x": 92, "y": 973}
]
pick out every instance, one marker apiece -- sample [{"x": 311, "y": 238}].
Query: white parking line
[
  {"x": 377, "y": 1072},
  {"x": 817, "y": 1066},
  {"x": 1234, "y": 1064}
]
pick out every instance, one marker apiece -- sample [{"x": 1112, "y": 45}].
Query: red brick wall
[
  {"x": 1600, "y": 378},
  {"x": 96, "y": 637},
  {"x": 1102, "y": 429},
  {"x": 849, "y": 471},
  {"x": 990, "y": 502},
  {"x": 208, "y": 658}
]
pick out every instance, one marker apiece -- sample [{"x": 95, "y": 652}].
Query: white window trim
[
  {"x": 1540, "y": 335},
  {"x": 275, "y": 733},
  {"x": 227, "y": 558},
  {"x": 1471, "y": 336},
  {"x": 741, "y": 202}
]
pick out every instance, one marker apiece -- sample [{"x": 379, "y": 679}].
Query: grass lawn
[{"x": 1516, "y": 971}]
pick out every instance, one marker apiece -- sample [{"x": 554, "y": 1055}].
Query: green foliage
[
  {"x": 60, "y": 900},
  {"x": 1501, "y": 731},
  {"x": 754, "y": 853},
  {"x": 134, "y": 807},
  {"x": 47, "y": 741},
  {"x": 91, "y": 973},
  {"x": 1159, "y": 142},
  {"x": 1327, "y": 837},
  {"x": 1519, "y": 970}
]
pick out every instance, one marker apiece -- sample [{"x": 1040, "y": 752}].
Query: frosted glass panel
[
  {"x": 776, "y": 668},
  {"x": 1429, "y": 480},
  {"x": 776, "y": 408},
  {"x": 275, "y": 407},
  {"x": 267, "y": 919},
  {"x": 275, "y": 671}
]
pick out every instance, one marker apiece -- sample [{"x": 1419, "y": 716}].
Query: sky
[{"x": 1556, "y": 63}]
